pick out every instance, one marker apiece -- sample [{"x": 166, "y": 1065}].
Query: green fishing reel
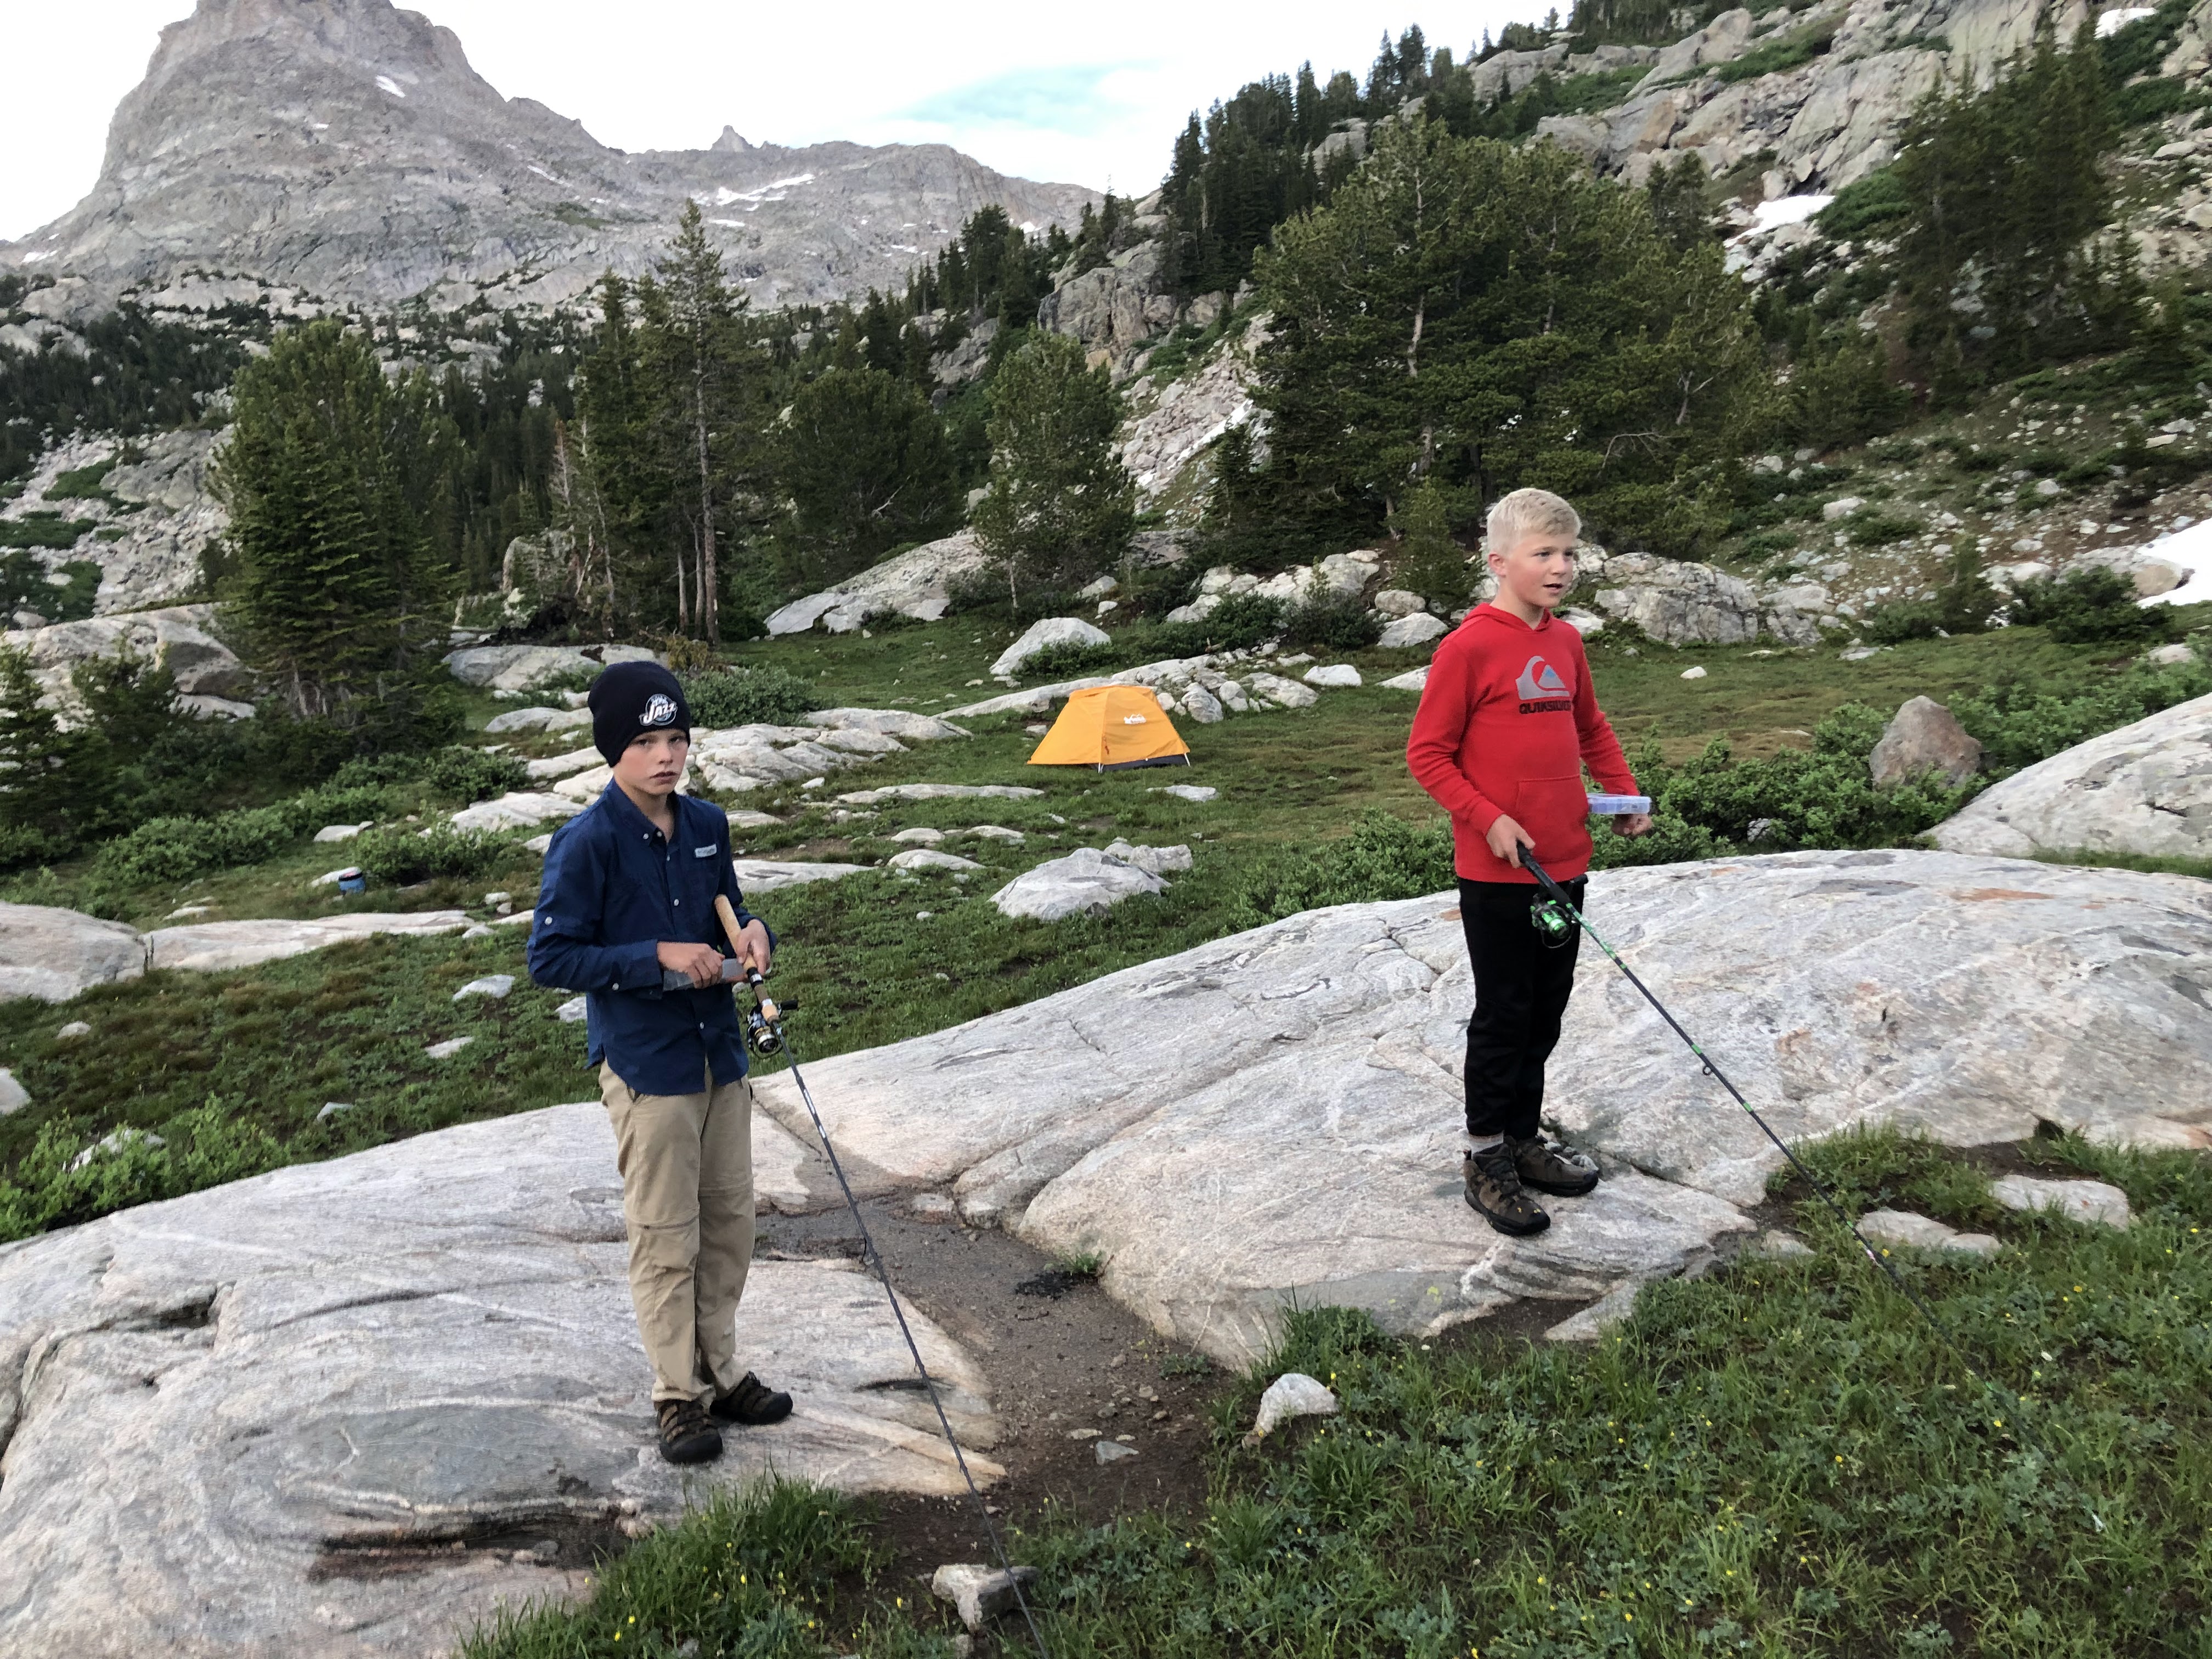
[{"x": 1552, "y": 921}]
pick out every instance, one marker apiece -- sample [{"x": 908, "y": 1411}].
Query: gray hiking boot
[
  {"x": 1550, "y": 1168},
  {"x": 687, "y": 1434},
  {"x": 1494, "y": 1192}
]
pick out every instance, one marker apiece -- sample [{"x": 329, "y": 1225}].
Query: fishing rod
[
  {"x": 1556, "y": 916},
  {"x": 764, "y": 1031}
]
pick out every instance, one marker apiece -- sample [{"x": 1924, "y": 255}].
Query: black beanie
[{"x": 634, "y": 697}]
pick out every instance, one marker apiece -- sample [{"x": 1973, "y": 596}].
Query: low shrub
[
  {"x": 1879, "y": 529},
  {"x": 1764, "y": 543},
  {"x": 462, "y": 773},
  {"x": 2089, "y": 606},
  {"x": 1383, "y": 858},
  {"x": 1071, "y": 657},
  {"x": 1238, "y": 624},
  {"x": 401, "y": 855},
  {"x": 200, "y": 1148},
  {"x": 170, "y": 849},
  {"x": 2021, "y": 722},
  {"x": 766, "y": 696},
  {"x": 1331, "y": 624}
]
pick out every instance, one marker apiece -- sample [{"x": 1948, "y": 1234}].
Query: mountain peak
[{"x": 346, "y": 148}]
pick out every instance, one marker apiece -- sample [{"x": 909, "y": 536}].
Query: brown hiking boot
[
  {"x": 1495, "y": 1193},
  {"x": 1548, "y": 1169},
  {"x": 752, "y": 1403},
  {"x": 687, "y": 1436}
]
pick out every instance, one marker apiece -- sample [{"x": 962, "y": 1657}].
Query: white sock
[{"x": 1483, "y": 1143}]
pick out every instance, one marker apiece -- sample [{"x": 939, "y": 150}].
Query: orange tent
[{"x": 1112, "y": 726}]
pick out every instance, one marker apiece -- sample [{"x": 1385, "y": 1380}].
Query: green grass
[{"x": 1779, "y": 1460}]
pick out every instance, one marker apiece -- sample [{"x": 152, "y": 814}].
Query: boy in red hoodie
[{"x": 1507, "y": 720}]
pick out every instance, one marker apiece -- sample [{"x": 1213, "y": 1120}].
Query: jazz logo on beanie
[{"x": 659, "y": 710}]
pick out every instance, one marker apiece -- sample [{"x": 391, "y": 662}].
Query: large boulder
[
  {"x": 1044, "y": 634},
  {"x": 177, "y": 636},
  {"x": 1277, "y": 1114},
  {"x": 1085, "y": 882},
  {"x": 1923, "y": 737},
  {"x": 916, "y": 583},
  {"x": 2145, "y": 789},
  {"x": 54, "y": 954},
  {"x": 330, "y": 1411},
  {"x": 520, "y": 668},
  {"x": 1681, "y": 602}
]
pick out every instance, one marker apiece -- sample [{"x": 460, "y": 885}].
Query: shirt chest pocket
[{"x": 695, "y": 876}]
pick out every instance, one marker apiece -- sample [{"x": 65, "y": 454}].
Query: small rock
[
  {"x": 921, "y": 835},
  {"x": 813, "y": 783},
  {"x": 1778, "y": 1245},
  {"x": 115, "y": 1141},
  {"x": 1842, "y": 507},
  {"x": 1155, "y": 860},
  {"x": 743, "y": 817},
  {"x": 448, "y": 1049},
  {"x": 1284, "y": 694},
  {"x": 2086, "y": 1201},
  {"x": 978, "y": 1593},
  {"x": 1400, "y": 602},
  {"x": 1112, "y": 1451},
  {"x": 938, "y": 1205},
  {"x": 1042, "y": 636},
  {"x": 1601, "y": 1316},
  {"x": 76, "y": 1028},
  {"x": 1083, "y": 1434},
  {"x": 330, "y": 877},
  {"x": 1189, "y": 792},
  {"x": 996, "y": 832},
  {"x": 332, "y": 1108},
  {"x": 1084, "y": 881},
  {"x": 188, "y": 910},
  {"x": 924, "y": 915},
  {"x": 538, "y": 844},
  {"x": 342, "y": 831},
  {"x": 496, "y": 986},
  {"x": 2048, "y": 487},
  {"x": 571, "y": 1011},
  {"x": 493, "y": 900},
  {"x": 476, "y": 930},
  {"x": 13, "y": 1096},
  {"x": 1333, "y": 676},
  {"x": 1693, "y": 673},
  {"x": 1036, "y": 728},
  {"x": 1292, "y": 1395},
  {"x": 1923, "y": 736},
  {"x": 1920, "y": 1232},
  {"x": 2167, "y": 656},
  {"x": 926, "y": 858}
]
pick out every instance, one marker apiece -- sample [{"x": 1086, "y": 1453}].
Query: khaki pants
[{"x": 686, "y": 1170}]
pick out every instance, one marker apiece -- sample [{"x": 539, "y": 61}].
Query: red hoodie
[{"x": 1507, "y": 721}]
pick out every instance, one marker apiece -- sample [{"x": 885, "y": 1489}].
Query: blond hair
[{"x": 1525, "y": 512}]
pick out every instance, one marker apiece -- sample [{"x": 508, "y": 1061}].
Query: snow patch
[
  {"x": 725, "y": 197},
  {"x": 542, "y": 173},
  {"x": 2113, "y": 21},
  {"x": 42, "y": 253},
  {"x": 391, "y": 86},
  {"x": 2187, "y": 550},
  {"x": 1784, "y": 210}
]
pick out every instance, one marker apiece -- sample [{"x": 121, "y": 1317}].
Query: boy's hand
[
  {"x": 1633, "y": 824},
  {"x": 1507, "y": 838},
  {"x": 702, "y": 962},
  {"x": 753, "y": 947}
]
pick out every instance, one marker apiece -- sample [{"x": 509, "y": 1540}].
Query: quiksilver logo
[
  {"x": 660, "y": 709},
  {"x": 1541, "y": 679}
]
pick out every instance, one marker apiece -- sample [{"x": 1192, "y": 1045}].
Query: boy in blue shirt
[{"x": 628, "y": 890}]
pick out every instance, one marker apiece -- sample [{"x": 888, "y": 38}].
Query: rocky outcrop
[
  {"x": 1115, "y": 307},
  {"x": 2145, "y": 789},
  {"x": 427, "y": 1401},
  {"x": 1048, "y": 633},
  {"x": 1277, "y": 1114},
  {"x": 1086, "y": 881},
  {"x": 147, "y": 529},
  {"x": 54, "y": 954},
  {"x": 1170, "y": 428},
  {"x": 915, "y": 583},
  {"x": 1679, "y": 602},
  {"x": 347, "y": 150},
  {"x": 211, "y": 947},
  {"x": 179, "y": 637},
  {"x": 517, "y": 669}
]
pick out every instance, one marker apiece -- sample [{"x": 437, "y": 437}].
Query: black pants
[{"x": 1521, "y": 982}]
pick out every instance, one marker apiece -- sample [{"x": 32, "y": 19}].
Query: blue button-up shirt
[{"x": 614, "y": 888}]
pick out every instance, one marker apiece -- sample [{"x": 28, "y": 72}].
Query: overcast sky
[{"x": 1046, "y": 91}]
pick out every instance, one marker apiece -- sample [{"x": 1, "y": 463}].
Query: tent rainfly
[{"x": 1112, "y": 726}]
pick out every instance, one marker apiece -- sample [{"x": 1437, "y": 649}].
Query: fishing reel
[
  {"x": 1551, "y": 920},
  {"x": 764, "y": 1020}
]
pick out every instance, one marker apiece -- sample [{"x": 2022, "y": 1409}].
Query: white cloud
[{"x": 1048, "y": 93}]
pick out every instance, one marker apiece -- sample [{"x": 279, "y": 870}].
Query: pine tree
[
  {"x": 863, "y": 459},
  {"x": 1060, "y": 506},
  {"x": 1430, "y": 561},
  {"x": 331, "y": 476},
  {"x": 37, "y": 760},
  {"x": 697, "y": 342}
]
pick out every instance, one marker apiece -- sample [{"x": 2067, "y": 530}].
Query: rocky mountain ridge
[{"x": 280, "y": 151}]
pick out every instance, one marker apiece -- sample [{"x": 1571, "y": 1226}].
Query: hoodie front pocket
[{"x": 1555, "y": 812}]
